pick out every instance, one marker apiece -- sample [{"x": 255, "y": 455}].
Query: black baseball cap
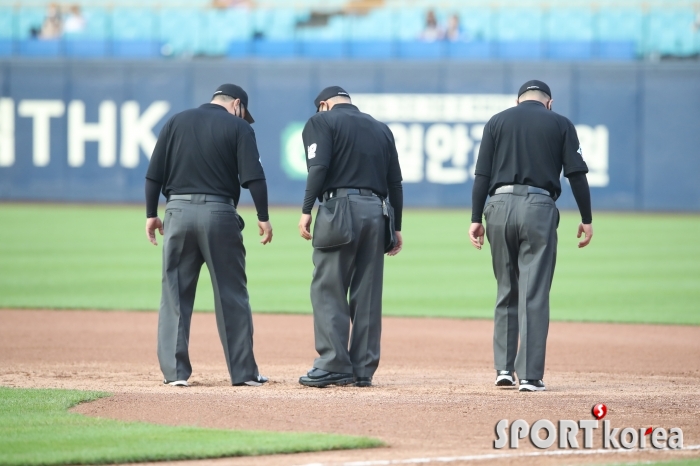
[
  {"x": 328, "y": 93},
  {"x": 534, "y": 85},
  {"x": 236, "y": 92}
]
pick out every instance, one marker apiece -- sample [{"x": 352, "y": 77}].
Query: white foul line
[{"x": 494, "y": 456}]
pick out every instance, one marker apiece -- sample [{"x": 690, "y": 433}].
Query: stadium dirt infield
[{"x": 433, "y": 394}]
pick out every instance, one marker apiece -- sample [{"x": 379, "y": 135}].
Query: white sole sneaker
[
  {"x": 531, "y": 387},
  {"x": 176, "y": 383},
  {"x": 254, "y": 383}
]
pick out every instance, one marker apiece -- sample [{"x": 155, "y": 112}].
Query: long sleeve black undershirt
[
  {"x": 582, "y": 194},
  {"x": 579, "y": 187},
  {"x": 396, "y": 200},
  {"x": 152, "y": 196},
  {"x": 258, "y": 191},
  {"x": 480, "y": 192},
  {"x": 314, "y": 188},
  {"x": 257, "y": 188}
]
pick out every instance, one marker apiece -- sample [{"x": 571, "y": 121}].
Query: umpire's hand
[
  {"x": 153, "y": 224},
  {"x": 399, "y": 245},
  {"x": 587, "y": 230},
  {"x": 265, "y": 231},
  {"x": 476, "y": 235},
  {"x": 304, "y": 226}
]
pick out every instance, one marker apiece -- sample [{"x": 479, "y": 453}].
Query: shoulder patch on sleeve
[
  {"x": 312, "y": 151},
  {"x": 580, "y": 150}
]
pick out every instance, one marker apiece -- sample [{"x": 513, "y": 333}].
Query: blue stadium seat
[
  {"x": 96, "y": 24},
  {"x": 282, "y": 25},
  {"x": 180, "y": 31},
  {"x": 516, "y": 24},
  {"x": 136, "y": 48},
  {"x": 616, "y": 50},
  {"x": 378, "y": 25},
  {"x": 407, "y": 23},
  {"x": 6, "y": 22},
  {"x": 421, "y": 50},
  {"x": 323, "y": 49},
  {"x": 133, "y": 24},
  {"x": 40, "y": 48},
  {"x": 520, "y": 50},
  {"x": 671, "y": 32},
  {"x": 569, "y": 24},
  {"x": 274, "y": 48},
  {"x": 570, "y": 50},
  {"x": 477, "y": 24},
  {"x": 478, "y": 50},
  {"x": 26, "y": 19},
  {"x": 86, "y": 48},
  {"x": 374, "y": 50},
  {"x": 619, "y": 25},
  {"x": 224, "y": 27}
]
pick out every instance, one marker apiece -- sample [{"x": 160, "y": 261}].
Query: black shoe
[
  {"x": 320, "y": 378},
  {"x": 363, "y": 381},
  {"x": 256, "y": 382},
  {"x": 531, "y": 385},
  {"x": 505, "y": 379}
]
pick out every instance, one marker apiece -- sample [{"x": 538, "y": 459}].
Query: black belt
[
  {"x": 342, "y": 192},
  {"x": 201, "y": 198},
  {"x": 510, "y": 189}
]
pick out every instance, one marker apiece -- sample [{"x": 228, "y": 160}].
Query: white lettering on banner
[
  {"x": 594, "y": 142},
  {"x": 438, "y": 136},
  {"x": 452, "y": 108},
  {"x": 104, "y": 132},
  {"x": 41, "y": 111},
  {"x": 409, "y": 144},
  {"x": 137, "y": 131},
  {"x": 7, "y": 132}
]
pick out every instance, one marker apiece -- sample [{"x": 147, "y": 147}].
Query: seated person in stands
[{"x": 432, "y": 31}]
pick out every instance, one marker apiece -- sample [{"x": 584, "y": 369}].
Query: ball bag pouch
[{"x": 333, "y": 226}]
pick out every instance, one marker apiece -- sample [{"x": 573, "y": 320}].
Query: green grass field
[
  {"x": 36, "y": 429},
  {"x": 639, "y": 267}
]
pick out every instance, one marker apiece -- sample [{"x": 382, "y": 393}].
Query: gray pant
[
  {"x": 355, "y": 270},
  {"x": 196, "y": 234},
  {"x": 522, "y": 231}
]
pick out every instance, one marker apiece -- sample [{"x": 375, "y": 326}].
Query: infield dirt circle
[{"x": 433, "y": 395}]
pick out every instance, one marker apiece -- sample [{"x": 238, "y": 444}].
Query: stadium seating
[{"x": 510, "y": 30}]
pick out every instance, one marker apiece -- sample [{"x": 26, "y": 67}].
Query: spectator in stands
[
  {"x": 454, "y": 30},
  {"x": 51, "y": 29},
  {"x": 432, "y": 31},
  {"x": 222, "y": 4},
  {"x": 75, "y": 21}
]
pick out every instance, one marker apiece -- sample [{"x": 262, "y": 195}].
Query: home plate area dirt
[{"x": 433, "y": 398}]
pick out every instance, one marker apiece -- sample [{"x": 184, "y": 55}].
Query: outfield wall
[{"x": 83, "y": 130}]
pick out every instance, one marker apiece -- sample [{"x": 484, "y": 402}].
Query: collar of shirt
[
  {"x": 213, "y": 106},
  {"x": 344, "y": 106},
  {"x": 532, "y": 102}
]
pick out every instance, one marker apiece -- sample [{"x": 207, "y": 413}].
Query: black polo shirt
[
  {"x": 529, "y": 145},
  {"x": 205, "y": 150},
  {"x": 358, "y": 150}
]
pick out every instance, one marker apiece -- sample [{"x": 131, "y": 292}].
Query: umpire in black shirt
[
  {"x": 202, "y": 158},
  {"x": 523, "y": 152},
  {"x": 353, "y": 167}
]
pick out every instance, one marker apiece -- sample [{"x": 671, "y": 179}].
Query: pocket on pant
[
  {"x": 170, "y": 213},
  {"x": 491, "y": 206},
  {"x": 227, "y": 217}
]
